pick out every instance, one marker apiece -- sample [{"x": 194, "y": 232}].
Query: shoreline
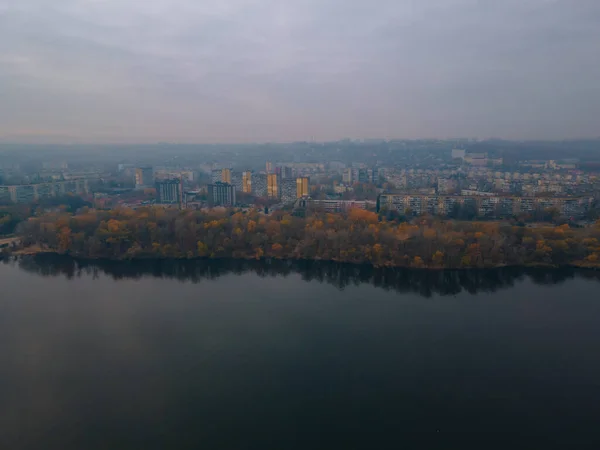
[{"x": 32, "y": 252}]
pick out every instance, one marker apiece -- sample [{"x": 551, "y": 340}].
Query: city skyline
[{"x": 241, "y": 71}]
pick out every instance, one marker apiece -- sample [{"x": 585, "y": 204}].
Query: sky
[{"x": 280, "y": 70}]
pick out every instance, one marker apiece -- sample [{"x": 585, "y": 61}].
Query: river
[{"x": 258, "y": 355}]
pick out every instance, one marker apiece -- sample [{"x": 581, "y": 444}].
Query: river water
[{"x": 245, "y": 355}]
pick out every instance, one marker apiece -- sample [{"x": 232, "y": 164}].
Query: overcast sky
[{"x": 283, "y": 70}]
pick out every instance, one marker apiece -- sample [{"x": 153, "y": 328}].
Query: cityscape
[
  {"x": 435, "y": 178},
  {"x": 295, "y": 225}
]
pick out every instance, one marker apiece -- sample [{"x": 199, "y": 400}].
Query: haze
[{"x": 275, "y": 70}]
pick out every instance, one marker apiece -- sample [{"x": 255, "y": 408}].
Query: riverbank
[
  {"x": 356, "y": 237},
  {"x": 37, "y": 251}
]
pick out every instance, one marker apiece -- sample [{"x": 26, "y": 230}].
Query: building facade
[
  {"x": 337, "y": 205},
  {"x": 259, "y": 185},
  {"x": 216, "y": 175},
  {"x": 302, "y": 187},
  {"x": 237, "y": 181},
  {"x": 272, "y": 186},
  {"x": 221, "y": 194},
  {"x": 364, "y": 176},
  {"x": 288, "y": 190},
  {"x": 27, "y": 193},
  {"x": 347, "y": 176},
  {"x": 458, "y": 153},
  {"x": 247, "y": 182},
  {"x": 287, "y": 173},
  {"x": 484, "y": 206},
  {"x": 226, "y": 176},
  {"x": 144, "y": 177},
  {"x": 221, "y": 175},
  {"x": 168, "y": 192}
]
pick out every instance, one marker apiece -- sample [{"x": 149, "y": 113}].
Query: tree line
[{"x": 355, "y": 237}]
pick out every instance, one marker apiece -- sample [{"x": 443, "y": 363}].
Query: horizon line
[{"x": 332, "y": 141}]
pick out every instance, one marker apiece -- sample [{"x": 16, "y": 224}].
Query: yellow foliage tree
[
  {"x": 113, "y": 225},
  {"x": 418, "y": 262},
  {"x": 202, "y": 248},
  {"x": 438, "y": 258}
]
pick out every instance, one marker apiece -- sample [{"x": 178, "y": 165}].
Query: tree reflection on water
[{"x": 423, "y": 282}]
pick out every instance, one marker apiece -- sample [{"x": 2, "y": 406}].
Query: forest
[
  {"x": 357, "y": 236},
  {"x": 11, "y": 215}
]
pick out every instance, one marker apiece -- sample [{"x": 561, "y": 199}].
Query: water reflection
[{"x": 425, "y": 283}]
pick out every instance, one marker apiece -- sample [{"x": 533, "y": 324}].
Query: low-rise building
[
  {"x": 27, "y": 193},
  {"x": 338, "y": 205},
  {"x": 485, "y": 206},
  {"x": 458, "y": 153}
]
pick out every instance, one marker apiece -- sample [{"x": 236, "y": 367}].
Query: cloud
[{"x": 246, "y": 70}]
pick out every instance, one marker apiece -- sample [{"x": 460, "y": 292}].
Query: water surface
[{"x": 240, "y": 355}]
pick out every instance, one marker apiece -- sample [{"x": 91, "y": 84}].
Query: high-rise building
[
  {"x": 247, "y": 182},
  {"x": 144, "y": 177},
  {"x": 375, "y": 175},
  {"x": 269, "y": 167},
  {"x": 364, "y": 176},
  {"x": 272, "y": 185},
  {"x": 288, "y": 190},
  {"x": 259, "y": 185},
  {"x": 221, "y": 176},
  {"x": 237, "y": 181},
  {"x": 347, "y": 176},
  {"x": 221, "y": 194},
  {"x": 226, "y": 176},
  {"x": 216, "y": 175},
  {"x": 287, "y": 173},
  {"x": 168, "y": 192},
  {"x": 302, "y": 187}
]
